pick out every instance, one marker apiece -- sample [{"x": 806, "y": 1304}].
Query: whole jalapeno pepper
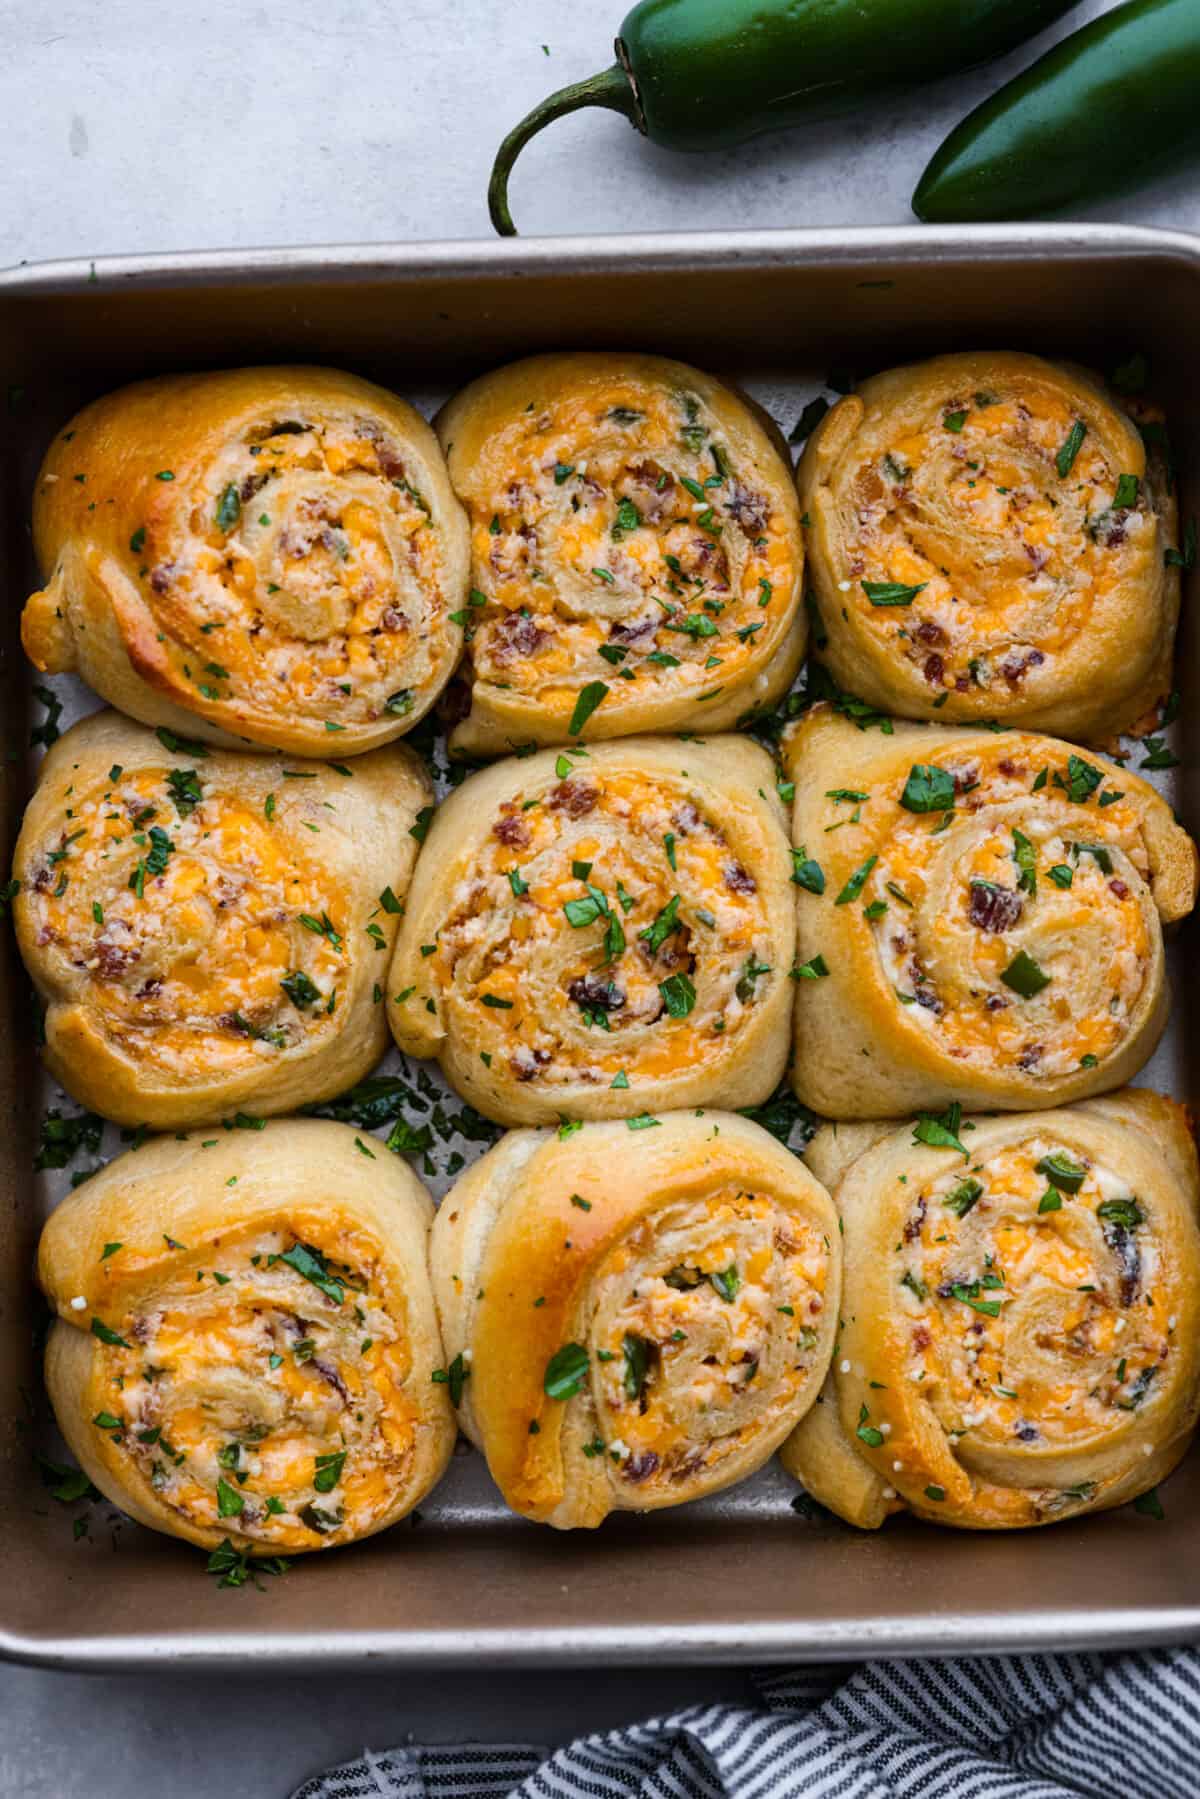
[
  {"x": 1113, "y": 104},
  {"x": 704, "y": 74}
]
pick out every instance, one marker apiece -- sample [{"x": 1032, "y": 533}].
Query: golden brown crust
[
  {"x": 1020, "y": 1324},
  {"x": 593, "y": 562},
  {"x": 262, "y": 555},
  {"x": 603, "y": 933},
  {"x": 161, "y": 915},
  {"x": 1042, "y": 600},
  {"x": 233, "y": 1370},
  {"x": 923, "y": 1002},
  {"x": 687, "y": 1273}
]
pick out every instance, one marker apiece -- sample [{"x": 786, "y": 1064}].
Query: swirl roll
[
  {"x": 989, "y": 537},
  {"x": 634, "y": 1320},
  {"x": 980, "y": 918},
  {"x": 636, "y": 551},
  {"x": 245, "y": 1337},
  {"x": 1020, "y": 1314},
  {"x": 270, "y": 555},
  {"x": 603, "y": 933},
  {"x": 211, "y": 930}
]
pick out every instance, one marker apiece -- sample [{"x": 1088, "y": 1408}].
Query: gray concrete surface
[{"x": 137, "y": 126}]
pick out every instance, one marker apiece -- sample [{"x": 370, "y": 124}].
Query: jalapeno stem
[{"x": 611, "y": 88}]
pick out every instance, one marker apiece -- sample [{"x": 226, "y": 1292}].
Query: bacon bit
[
  {"x": 856, "y": 567},
  {"x": 1039, "y": 555},
  {"x": 641, "y": 1467},
  {"x": 673, "y": 954},
  {"x": 236, "y": 1022},
  {"x": 1015, "y": 667},
  {"x": 934, "y": 669},
  {"x": 685, "y": 818},
  {"x": 912, "y": 1228},
  {"x": 392, "y": 619},
  {"x": 925, "y": 996},
  {"x": 691, "y": 1464},
  {"x": 43, "y": 880},
  {"x": 929, "y": 632},
  {"x": 651, "y": 488},
  {"x": 738, "y": 879},
  {"x": 513, "y": 831},
  {"x": 634, "y": 631},
  {"x": 701, "y": 558},
  {"x": 922, "y": 1336},
  {"x": 750, "y": 510},
  {"x": 1014, "y": 770},
  {"x": 527, "y": 1063},
  {"x": 1031, "y": 1055},
  {"x": 1119, "y": 888},
  {"x": 589, "y": 990},
  {"x": 785, "y": 1244},
  {"x": 229, "y": 888},
  {"x": 517, "y": 635},
  {"x": 995, "y": 1002},
  {"x": 148, "y": 989},
  {"x": 574, "y": 797},
  {"x": 160, "y": 577},
  {"x": 994, "y": 909},
  {"x": 329, "y": 1373}
]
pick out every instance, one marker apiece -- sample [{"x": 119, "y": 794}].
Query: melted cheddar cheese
[
  {"x": 607, "y": 928},
  {"x": 260, "y": 1389},
  {"x": 707, "y": 1318},
  {"x": 617, "y": 539},
  {"x": 1033, "y": 1310},
  {"x": 305, "y": 573},
  {"x": 185, "y": 905},
  {"x": 1008, "y": 518},
  {"x": 1016, "y": 873}
]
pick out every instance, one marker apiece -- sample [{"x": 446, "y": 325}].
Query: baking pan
[{"x": 744, "y": 1576}]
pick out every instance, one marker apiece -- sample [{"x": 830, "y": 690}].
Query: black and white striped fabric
[{"x": 1018, "y": 1727}]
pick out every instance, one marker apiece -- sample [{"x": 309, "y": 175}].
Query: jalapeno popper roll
[
  {"x": 210, "y": 930},
  {"x": 1019, "y": 1338},
  {"x": 980, "y": 918},
  {"x": 989, "y": 537},
  {"x": 246, "y": 1336},
  {"x": 636, "y": 553},
  {"x": 272, "y": 555},
  {"x": 603, "y": 933},
  {"x": 634, "y": 1320}
]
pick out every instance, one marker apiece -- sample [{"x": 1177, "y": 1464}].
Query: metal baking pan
[{"x": 745, "y": 1576}]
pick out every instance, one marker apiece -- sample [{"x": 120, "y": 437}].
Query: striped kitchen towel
[{"x": 1017, "y": 1727}]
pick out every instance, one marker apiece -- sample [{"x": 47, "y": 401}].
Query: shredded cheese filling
[
  {"x": 607, "y": 929},
  {"x": 1035, "y": 1305},
  {"x": 616, "y": 539},
  {"x": 967, "y": 501},
  {"x": 706, "y": 1319},
  {"x": 307, "y": 575},
  {"x": 185, "y": 906},
  {"x": 255, "y": 1399},
  {"x": 1017, "y": 926}
]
